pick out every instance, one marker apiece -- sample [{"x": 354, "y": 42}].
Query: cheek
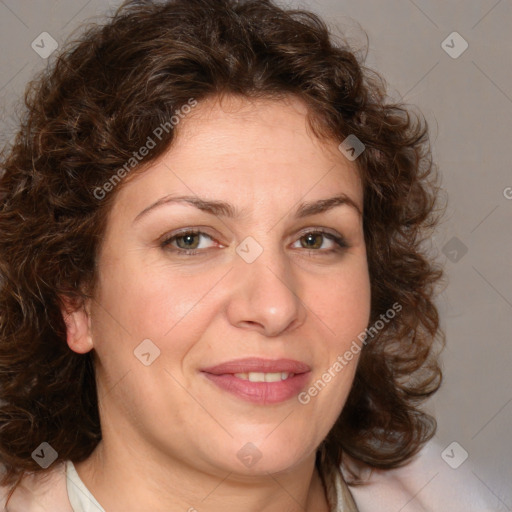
[
  {"x": 167, "y": 301},
  {"x": 151, "y": 300},
  {"x": 170, "y": 309},
  {"x": 344, "y": 304}
]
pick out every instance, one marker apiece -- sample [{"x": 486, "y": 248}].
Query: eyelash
[{"x": 338, "y": 240}]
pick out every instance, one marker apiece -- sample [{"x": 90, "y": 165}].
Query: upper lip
[{"x": 254, "y": 364}]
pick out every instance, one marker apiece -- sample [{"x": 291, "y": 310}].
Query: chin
[{"x": 267, "y": 457}]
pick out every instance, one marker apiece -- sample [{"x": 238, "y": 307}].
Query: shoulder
[
  {"x": 426, "y": 484},
  {"x": 38, "y": 492}
]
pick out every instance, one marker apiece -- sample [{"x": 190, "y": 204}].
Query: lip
[
  {"x": 263, "y": 393},
  {"x": 255, "y": 364}
]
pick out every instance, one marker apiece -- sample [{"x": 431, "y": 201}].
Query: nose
[{"x": 266, "y": 295}]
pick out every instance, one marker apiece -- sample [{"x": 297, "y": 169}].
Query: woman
[{"x": 213, "y": 293}]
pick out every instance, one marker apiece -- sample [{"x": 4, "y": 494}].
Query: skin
[{"x": 170, "y": 436}]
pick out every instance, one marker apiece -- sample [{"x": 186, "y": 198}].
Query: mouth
[
  {"x": 261, "y": 381},
  {"x": 264, "y": 377}
]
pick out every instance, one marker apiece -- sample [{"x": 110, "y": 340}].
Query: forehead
[
  {"x": 230, "y": 122},
  {"x": 243, "y": 149}
]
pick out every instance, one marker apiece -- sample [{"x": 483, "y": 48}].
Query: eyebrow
[{"x": 223, "y": 209}]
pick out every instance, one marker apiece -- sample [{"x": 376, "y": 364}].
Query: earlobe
[{"x": 79, "y": 338}]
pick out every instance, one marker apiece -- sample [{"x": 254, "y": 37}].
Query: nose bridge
[
  {"x": 266, "y": 291},
  {"x": 263, "y": 257}
]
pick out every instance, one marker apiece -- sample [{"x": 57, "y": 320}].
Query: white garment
[
  {"x": 79, "y": 496},
  {"x": 428, "y": 484}
]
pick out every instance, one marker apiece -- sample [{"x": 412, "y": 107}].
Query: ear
[{"x": 78, "y": 326}]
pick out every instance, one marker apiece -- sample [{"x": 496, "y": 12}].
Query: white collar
[{"x": 79, "y": 496}]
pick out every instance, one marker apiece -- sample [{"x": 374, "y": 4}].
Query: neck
[{"x": 121, "y": 480}]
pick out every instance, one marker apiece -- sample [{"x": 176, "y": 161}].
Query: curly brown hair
[{"x": 98, "y": 102}]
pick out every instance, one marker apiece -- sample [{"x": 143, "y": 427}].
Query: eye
[
  {"x": 187, "y": 242},
  {"x": 316, "y": 240}
]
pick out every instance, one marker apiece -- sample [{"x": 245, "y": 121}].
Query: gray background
[{"x": 468, "y": 103}]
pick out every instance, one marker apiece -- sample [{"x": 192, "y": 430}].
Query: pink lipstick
[{"x": 261, "y": 381}]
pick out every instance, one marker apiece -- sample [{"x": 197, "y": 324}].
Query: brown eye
[
  {"x": 189, "y": 241},
  {"x": 312, "y": 240},
  {"x": 186, "y": 242}
]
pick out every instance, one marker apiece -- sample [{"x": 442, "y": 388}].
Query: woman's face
[{"x": 257, "y": 287}]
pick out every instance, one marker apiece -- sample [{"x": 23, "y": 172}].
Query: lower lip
[{"x": 261, "y": 392}]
